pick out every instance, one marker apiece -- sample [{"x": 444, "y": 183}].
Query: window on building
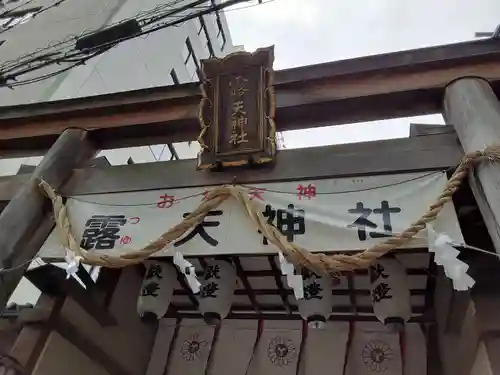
[
  {"x": 190, "y": 60},
  {"x": 205, "y": 39},
  {"x": 199, "y": 25},
  {"x": 14, "y": 18},
  {"x": 174, "y": 77},
  {"x": 221, "y": 37}
]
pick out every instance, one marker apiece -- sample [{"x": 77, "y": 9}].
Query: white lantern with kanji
[
  {"x": 156, "y": 290},
  {"x": 217, "y": 290},
  {"x": 390, "y": 293},
  {"x": 316, "y": 306}
]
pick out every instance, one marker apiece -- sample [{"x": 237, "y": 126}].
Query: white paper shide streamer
[
  {"x": 156, "y": 290},
  {"x": 293, "y": 281},
  {"x": 187, "y": 269},
  {"x": 72, "y": 263},
  {"x": 446, "y": 255},
  {"x": 217, "y": 289},
  {"x": 316, "y": 306},
  {"x": 389, "y": 292}
]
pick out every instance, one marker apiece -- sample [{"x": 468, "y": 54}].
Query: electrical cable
[
  {"x": 250, "y": 6},
  {"x": 19, "y": 266},
  {"x": 6, "y": 13},
  {"x": 76, "y": 198},
  {"x": 73, "y": 38},
  {"x": 344, "y": 191},
  {"x": 208, "y": 10},
  {"x": 101, "y": 48},
  {"x": 36, "y": 13},
  {"x": 48, "y": 75},
  {"x": 9, "y": 65}
]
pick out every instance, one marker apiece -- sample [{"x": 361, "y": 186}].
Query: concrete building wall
[
  {"x": 70, "y": 18},
  {"x": 156, "y": 59}
]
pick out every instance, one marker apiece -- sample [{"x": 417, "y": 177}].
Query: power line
[
  {"x": 69, "y": 40},
  {"x": 144, "y": 22},
  {"x": 6, "y": 13},
  {"x": 250, "y": 6},
  {"x": 48, "y": 75},
  {"x": 33, "y": 14},
  {"x": 33, "y": 62}
]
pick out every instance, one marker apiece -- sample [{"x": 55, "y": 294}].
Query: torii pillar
[{"x": 472, "y": 107}]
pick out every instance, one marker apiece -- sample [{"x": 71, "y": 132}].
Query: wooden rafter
[
  {"x": 277, "y": 316},
  {"x": 248, "y": 287},
  {"x": 289, "y": 292},
  {"x": 248, "y": 309},
  {"x": 282, "y": 292}
]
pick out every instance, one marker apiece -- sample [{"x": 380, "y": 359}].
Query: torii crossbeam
[{"x": 398, "y": 84}]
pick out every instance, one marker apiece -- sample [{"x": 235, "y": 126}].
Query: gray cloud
[{"x": 314, "y": 31}]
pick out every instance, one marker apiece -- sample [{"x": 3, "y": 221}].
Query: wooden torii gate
[{"x": 459, "y": 80}]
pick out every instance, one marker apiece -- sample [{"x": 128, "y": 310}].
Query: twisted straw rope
[{"x": 317, "y": 262}]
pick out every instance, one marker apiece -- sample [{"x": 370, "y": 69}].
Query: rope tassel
[{"x": 316, "y": 262}]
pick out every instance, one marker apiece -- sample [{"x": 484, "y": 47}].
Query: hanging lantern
[
  {"x": 217, "y": 289},
  {"x": 316, "y": 306},
  {"x": 389, "y": 292},
  {"x": 157, "y": 289}
]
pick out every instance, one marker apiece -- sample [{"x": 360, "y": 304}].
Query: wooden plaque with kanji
[{"x": 237, "y": 110}]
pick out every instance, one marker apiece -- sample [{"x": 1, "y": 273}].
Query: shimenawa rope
[{"x": 317, "y": 262}]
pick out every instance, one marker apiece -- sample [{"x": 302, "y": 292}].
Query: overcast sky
[{"x": 315, "y": 31}]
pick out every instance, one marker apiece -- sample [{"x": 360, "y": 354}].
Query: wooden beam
[
  {"x": 276, "y": 308},
  {"x": 51, "y": 280},
  {"x": 100, "y": 162},
  {"x": 474, "y": 110},
  {"x": 282, "y": 292},
  {"x": 107, "y": 281},
  {"x": 32, "y": 338},
  {"x": 10, "y": 185},
  {"x": 351, "y": 292},
  {"x": 289, "y": 292},
  {"x": 246, "y": 284},
  {"x": 425, "y": 153},
  {"x": 277, "y": 316},
  {"x": 434, "y": 364},
  {"x": 358, "y": 272},
  {"x": 30, "y": 244},
  {"x": 450, "y": 306},
  {"x": 435, "y": 152},
  {"x": 418, "y": 130},
  {"x": 26, "y": 169},
  {"x": 391, "y": 85},
  {"x": 88, "y": 347},
  {"x": 27, "y": 209}
]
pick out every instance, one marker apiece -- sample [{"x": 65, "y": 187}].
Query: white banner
[{"x": 321, "y": 215}]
